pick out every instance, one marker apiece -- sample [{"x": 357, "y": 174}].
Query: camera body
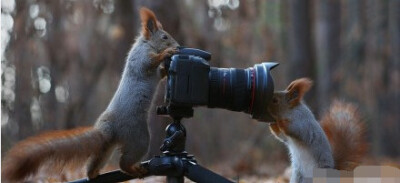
[
  {"x": 188, "y": 80},
  {"x": 192, "y": 82}
]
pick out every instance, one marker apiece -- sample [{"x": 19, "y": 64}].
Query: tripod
[{"x": 175, "y": 163}]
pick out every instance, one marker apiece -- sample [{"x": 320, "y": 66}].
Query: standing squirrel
[
  {"x": 337, "y": 143},
  {"x": 122, "y": 125}
]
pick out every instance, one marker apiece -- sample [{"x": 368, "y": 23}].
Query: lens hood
[{"x": 263, "y": 92}]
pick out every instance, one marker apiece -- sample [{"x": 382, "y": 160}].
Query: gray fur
[
  {"x": 310, "y": 148},
  {"x": 124, "y": 122}
]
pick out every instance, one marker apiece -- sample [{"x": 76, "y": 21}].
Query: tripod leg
[
  {"x": 200, "y": 174},
  {"x": 110, "y": 177},
  {"x": 171, "y": 179}
]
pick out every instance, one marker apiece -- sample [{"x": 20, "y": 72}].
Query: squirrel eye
[{"x": 164, "y": 36}]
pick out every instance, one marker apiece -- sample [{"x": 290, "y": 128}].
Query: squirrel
[
  {"x": 122, "y": 125},
  {"x": 338, "y": 142}
]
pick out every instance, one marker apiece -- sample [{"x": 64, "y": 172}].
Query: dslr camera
[{"x": 192, "y": 82}]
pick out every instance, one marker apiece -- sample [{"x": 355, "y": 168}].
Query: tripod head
[{"x": 174, "y": 142}]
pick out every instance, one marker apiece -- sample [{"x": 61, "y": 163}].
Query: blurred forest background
[{"x": 61, "y": 61}]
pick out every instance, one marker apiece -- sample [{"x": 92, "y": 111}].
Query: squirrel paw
[
  {"x": 277, "y": 132},
  {"x": 168, "y": 52},
  {"x": 141, "y": 172},
  {"x": 158, "y": 58},
  {"x": 93, "y": 174},
  {"x": 283, "y": 126},
  {"x": 137, "y": 171},
  {"x": 286, "y": 128},
  {"x": 275, "y": 129}
]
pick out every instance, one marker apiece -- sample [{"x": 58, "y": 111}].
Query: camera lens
[
  {"x": 192, "y": 82},
  {"x": 247, "y": 90},
  {"x": 229, "y": 88}
]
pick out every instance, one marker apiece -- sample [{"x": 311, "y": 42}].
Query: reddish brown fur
[
  {"x": 159, "y": 26},
  {"x": 160, "y": 57},
  {"x": 301, "y": 86},
  {"x": 27, "y": 156},
  {"x": 275, "y": 129},
  {"x": 146, "y": 16},
  {"x": 284, "y": 126},
  {"x": 346, "y": 134}
]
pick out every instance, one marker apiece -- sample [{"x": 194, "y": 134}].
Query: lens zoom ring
[{"x": 239, "y": 89}]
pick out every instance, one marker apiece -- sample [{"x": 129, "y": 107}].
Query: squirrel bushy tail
[
  {"x": 346, "y": 134},
  {"x": 60, "y": 148}
]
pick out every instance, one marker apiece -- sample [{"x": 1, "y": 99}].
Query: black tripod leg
[
  {"x": 171, "y": 179},
  {"x": 200, "y": 174},
  {"x": 109, "y": 177}
]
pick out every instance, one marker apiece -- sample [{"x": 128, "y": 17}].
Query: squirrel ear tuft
[
  {"x": 150, "y": 24},
  {"x": 297, "y": 89}
]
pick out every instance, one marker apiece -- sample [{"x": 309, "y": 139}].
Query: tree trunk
[
  {"x": 300, "y": 57},
  {"x": 22, "y": 54},
  {"x": 327, "y": 49}
]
